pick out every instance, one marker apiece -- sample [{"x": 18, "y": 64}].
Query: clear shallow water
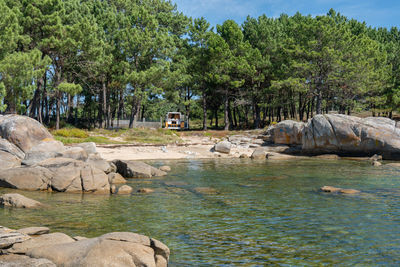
[{"x": 264, "y": 213}]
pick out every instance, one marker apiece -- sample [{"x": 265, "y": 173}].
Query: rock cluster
[
  {"x": 342, "y": 135},
  {"x": 30, "y": 159},
  {"x": 38, "y": 247}
]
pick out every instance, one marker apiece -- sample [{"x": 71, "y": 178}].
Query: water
[{"x": 264, "y": 213}]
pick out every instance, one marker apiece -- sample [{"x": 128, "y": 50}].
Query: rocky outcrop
[
  {"x": 57, "y": 249},
  {"x": 137, "y": 169},
  {"x": 287, "y": 133},
  {"x": 26, "y": 178},
  {"x": 98, "y": 162},
  {"x": 348, "y": 135},
  {"x": 22, "y": 131},
  {"x": 223, "y": 147},
  {"x": 34, "y": 230},
  {"x": 18, "y": 201},
  {"x": 116, "y": 178},
  {"x": 8, "y": 160},
  {"x": 10, "y": 148}
]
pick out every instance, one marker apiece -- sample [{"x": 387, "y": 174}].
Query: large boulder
[
  {"x": 348, "y": 135},
  {"x": 6, "y": 146},
  {"x": 22, "y": 131},
  {"x": 89, "y": 147},
  {"x": 18, "y": 201},
  {"x": 223, "y": 147},
  {"x": 100, "y": 163},
  {"x": 71, "y": 175},
  {"x": 137, "y": 169},
  {"x": 26, "y": 178},
  {"x": 44, "y": 150},
  {"x": 8, "y": 160},
  {"x": 113, "y": 249},
  {"x": 287, "y": 133},
  {"x": 77, "y": 153}
]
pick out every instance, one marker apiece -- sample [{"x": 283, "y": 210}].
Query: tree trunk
[
  {"x": 319, "y": 102},
  {"x": 226, "y": 111},
  {"x": 58, "y": 103},
  {"x": 204, "y": 111}
]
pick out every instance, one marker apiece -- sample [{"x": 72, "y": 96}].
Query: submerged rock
[
  {"x": 331, "y": 189},
  {"x": 124, "y": 190},
  {"x": 145, "y": 190},
  {"x": 18, "y": 201},
  {"x": 165, "y": 168},
  {"x": 206, "y": 190},
  {"x": 136, "y": 169}
]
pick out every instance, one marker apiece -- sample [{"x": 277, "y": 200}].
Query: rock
[
  {"x": 244, "y": 156},
  {"x": 48, "y": 145},
  {"x": 376, "y": 163},
  {"x": 206, "y": 190},
  {"x": 113, "y": 189},
  {"x": 116, "y": 178},
  {"x": 330, "y": 189},
  {"x": 165, "y": 168},
  {"x": 34, "y": 230},
  {"x": 40, "y": 241},
  {"x": 18, "y": 201},
  {"x": 89, "y": 147},
  {"x": 145, "y": 190},
  {"x": 6, "y": 146},
  {"x": 124, "y": 190},
  {"x": 349, "y": 191},
  {"x": 34, "y": 157},
  {"x": 9, "y": 237},
  {"x": 328, "y": 156},
  {"x": 393, "y": 164},
  {"x": 8, "y": 160},
  {"x": 136, "y": 169},
  {"x": 375, "y": 157},
  {"x": 22, "y": 131},
  {"x": 288, "y": 132},
  {"x": 223, "y": 147},
  {"x": 279, "y": 156},
  {"x": 100, "y": 163},
  {"x": 26, "y": 178},
  {"x": 13, "y": 260},
  {"x": 113, "y": 249},
  {"x": 79, "y": 238},
  {"x": 259, "y": 153},
  {"x": 348, "y": 135},
  {"x": 77, "y": 153},
  {"x": 71, "y": 175}
]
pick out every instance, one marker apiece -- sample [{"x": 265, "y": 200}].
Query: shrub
[{"x": 74, "y": 132}]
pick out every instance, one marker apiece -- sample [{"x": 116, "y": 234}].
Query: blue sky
[{"x": 383, "y": 13}]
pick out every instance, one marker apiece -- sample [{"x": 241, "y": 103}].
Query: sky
[{"x": 376, "y": 13}]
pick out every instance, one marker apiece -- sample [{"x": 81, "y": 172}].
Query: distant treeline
[{"x": 92, "y": 62}]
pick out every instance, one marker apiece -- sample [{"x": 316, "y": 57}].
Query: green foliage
[{"x": 68, "y": 132}]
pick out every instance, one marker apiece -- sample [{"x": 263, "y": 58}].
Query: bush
[{"x": 74, "y": 132}]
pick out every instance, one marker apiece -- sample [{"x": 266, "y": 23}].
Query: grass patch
[
  {"x": 152, "y": 136},
  {"x": 95, "y": 139}
]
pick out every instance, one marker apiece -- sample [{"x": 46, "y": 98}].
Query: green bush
[{"x": 74, "y": 132}]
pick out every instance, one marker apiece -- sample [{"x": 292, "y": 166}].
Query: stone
[
  {"x": 393, "y": 164},
  {"x": 113, "y": 189},
  {"x": 165, "y": 168},
  {"x": 77, "y": 153},
  {"x": 259, "y": 153},
  {"x": 22, "y": 131},
  {"x": 288, "y": 133},
  {"x": 100, "y": 163},
  {"x": 89, "y": 147},
  {"x": 40, "y": 241},
  {"x": 6, "y": 146},
  {"x": 13, "y": 260},
  {"x": 223, "y": 147},
  {"x": 124, "y": 190},
  {"x": 9, "y": 237},
  {"x": 244, "y": 156},
  {"x": 352, "y": 136},
  {"x": 34, "y": 157},
  {"x": 113, "y": 249},
  {"x": 328, "y": 156},
  {"x": 279, "y": 156},
  {"x": 8, "y": 160},
  {"x": 116, "y": 178},
  {"x": 349, "y": 191},
  {"x": 26, "y": 178},
  {"x": 71, "y": 175},
  {"x": 330, "y": 189},
  {"x": 375, "y": 157},
  {"x": 205, "y": 190},
  {"x": 48, "y": 145},
  {"x": 79, "y": 238},
  {"x": 34, "y": 230},
  {"x": 145, "y": 190},
  {"x": 18, "y": 201},
  {"x": 376, "y": 163},
  {"x": 137, "y": 169}
]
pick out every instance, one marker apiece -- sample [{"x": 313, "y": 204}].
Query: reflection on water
[{"x": 255, "y": 213}]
